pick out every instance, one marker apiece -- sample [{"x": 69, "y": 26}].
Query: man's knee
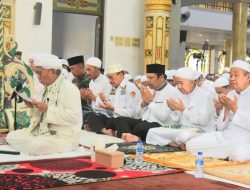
[{"x": 240, "y": 153}]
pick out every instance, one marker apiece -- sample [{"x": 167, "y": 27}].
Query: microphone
[{"x": 19, "y": 86}]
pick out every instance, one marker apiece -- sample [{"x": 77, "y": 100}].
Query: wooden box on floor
[{"x": 109, "y": 159}]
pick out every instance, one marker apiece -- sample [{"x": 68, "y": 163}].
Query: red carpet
[{"x": 57, "y": 173}]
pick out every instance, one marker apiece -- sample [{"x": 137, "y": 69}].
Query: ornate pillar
[
  {"x": 240, "y": 11},
  {"x": 156, "y": 38},
  {"x": 228, "y": 50},
  {"x": 2, "y": 118}
]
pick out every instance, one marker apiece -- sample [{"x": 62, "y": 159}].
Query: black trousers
[
  {"x": 98, "y": 121},
  {"x": 134, "y": 126}
]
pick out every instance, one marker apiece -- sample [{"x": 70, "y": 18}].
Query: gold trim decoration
[
  {"x": 135, "y": 42},
  {"x": 127, "y": 41},
  {"x": 119, "y": 41},
  {"x": 89, "y": 7},
  {"x": 158, "y": 5}
]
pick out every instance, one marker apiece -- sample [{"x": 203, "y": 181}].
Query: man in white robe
[
  {"x": 222, "y": 87},
  {"x": 153, "y": 110},
  {"x": 193, "y": 111},
  {"x": 99, "y": 84},
  {"x": 60, "y": 114},
  {"x": 234, "y": 142}
]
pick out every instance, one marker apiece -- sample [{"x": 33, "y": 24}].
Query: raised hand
[
  {"x": 229, "y": 103},
  {"x": 175, "y": 105}
]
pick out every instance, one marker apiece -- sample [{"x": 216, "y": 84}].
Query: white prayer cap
[
  {"x": 197, "y": 74},
  {"x": 227, "y": 69},
  {"x": 226, "y": 76},
  {"x": 204, "y": 75},
  {"x": 94, "y": 61},
  {"x": 115, "y": 68},
  {"x": 186, "y": 73},
  {"x": 241, "y": 64},
  {"x": 170, "y": 74},
  {"x": 144, "y": 78},
  {"x": 48, "y": 63},
  {"x": 220, "y": 82},
  {"x": 128, "y": 77},
  {"x": 64, "y": 62},
  {"x": 138, "y": 77}
]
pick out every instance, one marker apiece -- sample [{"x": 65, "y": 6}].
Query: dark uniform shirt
[{"x": 83, "y": 82}]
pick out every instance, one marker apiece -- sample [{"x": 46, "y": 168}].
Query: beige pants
[{"x": 25, "y": 142}]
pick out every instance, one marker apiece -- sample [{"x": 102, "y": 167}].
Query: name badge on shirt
[{"x": 123, "y": 91}]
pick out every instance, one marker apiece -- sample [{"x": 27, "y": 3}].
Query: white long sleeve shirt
[
  {"x": 158, "y": 111},
  {"x": 126, "y": 98},
  {"x": 98, "y": 85},
  {"x": 199, "y": 110}
]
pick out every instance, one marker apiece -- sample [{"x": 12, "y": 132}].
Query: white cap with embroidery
[
  {"x": 186, "y": 73},
  {"x": 242, "y": 65},
  {"x": 94, "y": 61},
  {"x": 220, "y": 82},
  {"x": 115, "y": 68}
]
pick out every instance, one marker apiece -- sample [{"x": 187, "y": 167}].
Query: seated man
[
  {"x": 152, "y": 109},
  {"x": 99, "y": 84},
  {"x": 60, "y": 114},
  {"x": 194, "y": 111},
  {"x": 233, "y": 142},
  {"x": 77, "y": 67},
  {"x": 222, "y": 87},
  {"x": 122, "y": 101}
]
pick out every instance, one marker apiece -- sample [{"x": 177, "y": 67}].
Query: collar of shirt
[
  {"x": 123, "y": 83},
  {"x": 98, "y": 78},
  {"x": 162, "y": 86},
  {"x": 247, "y": 90}
]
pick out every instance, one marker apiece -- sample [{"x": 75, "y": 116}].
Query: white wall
[
  {"x": 33, "y": 38},
  {"x": 124, "y": 18},
  {"x": 73, "y": 34}
]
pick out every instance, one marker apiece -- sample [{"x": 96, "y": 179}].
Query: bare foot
[
  {"x": 173, "y": 144},
  {"x": 124, "y": 135},
  {"x": 182, "y": 146},
  {"x": 86, "y": 127},
  {"x": 129, "y": 137},
  {"x": 110, "y": 132}
]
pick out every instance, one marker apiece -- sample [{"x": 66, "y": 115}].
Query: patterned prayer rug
[
  {"x": 239, "y": 173},
  {"x": 129, "y": 148},
  {"x": 56, "y": 173},
  {"x": 183, "y": 160}
]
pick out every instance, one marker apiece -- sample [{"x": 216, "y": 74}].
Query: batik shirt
[{"x": 81, "y": 83}]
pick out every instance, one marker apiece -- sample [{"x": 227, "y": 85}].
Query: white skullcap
[
  {"x": 115, "y": 68},
  {"x": 220, "y": 82},
  {"x": 204, "y": 75},
  {"x": 138, "y": 77},
  {"x": 64, "y": 62},
  {"x": 94, "y": 61},
  {"x": 48, "y": 63},
  {"x": 144, "y": 78},
  {"x": 227, "y": 69},
  {"x": 197, "y": 74},
  {"x": 226, "y": 76},
  {"x": 186, "y": 73},
  {"x": 242, "y": 65},
  {"x": 170, "y": 74},
  {"x": 128, "y": 77}
]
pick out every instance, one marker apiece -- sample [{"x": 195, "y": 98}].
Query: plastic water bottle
[
  {"x": 199, "y": 165},
  {"x": 139, "y": 152}
]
